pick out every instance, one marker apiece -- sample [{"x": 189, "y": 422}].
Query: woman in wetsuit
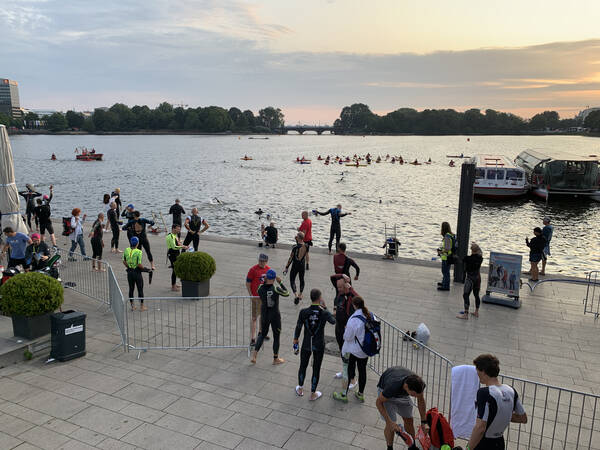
[{"x": 297, "y": 260}]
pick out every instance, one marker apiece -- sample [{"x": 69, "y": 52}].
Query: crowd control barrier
[
  {"x": 591, "y": 301},
  {"x": 76, "y": 273}
]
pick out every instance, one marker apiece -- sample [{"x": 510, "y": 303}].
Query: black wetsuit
[
  {"x": 195, "y": 223},
  {"x": 29, "y": 197},
  {"x": 176, "y": 211},
  {"x": 336, "y": 228},
  {"x": 112, "y": 217},
  {"x": 313, "y": 319},
  {"x": 472, "y": 265},
  {"x": 117, "y": 200},
  {"x": 343, "y": 310},
  {"x": 269, "y": 316},
  {"x": 96, "y": 240},
  {"x": 42, "y": 214},
  {"x": 298, "y": 266},
  {"x": 137, "y": 228}
]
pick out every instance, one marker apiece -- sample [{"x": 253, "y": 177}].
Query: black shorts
[
  {"x": 46, "y": 226},
  {"x": 310, "y": 244}
]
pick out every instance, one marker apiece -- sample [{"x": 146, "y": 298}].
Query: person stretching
[
  {"x": 336, "y": 228},
  {"x": 313, "y": 319},
  {"x": 297, "y": 259},
  {"x": 173, "y": 250}
]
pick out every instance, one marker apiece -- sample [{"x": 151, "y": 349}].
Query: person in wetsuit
[
  {"x": 270, "y": 315},
  {"x": 114, "y": 222},
  {"x": 342, "y": 263},
  {"x": 173, "y": 251},
  {"x": 42, "y": 213},
  {"x": 193, "y": 224},
  {"x": 115, "y": 196},
  {"x": 313, "y": 319},
  {"x": 29, "y": 195},
  {"x": 297, "y": 260},
  {"x": 176, "y": 210},
  {"x": 136, "y": 227},
  {"x": 132, "y": 260},
  {"x": 336, "y": 228},
  {"x": 128, "y": 214}
]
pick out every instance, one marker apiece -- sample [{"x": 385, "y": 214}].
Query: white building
[{"x": 583, "y": 114}]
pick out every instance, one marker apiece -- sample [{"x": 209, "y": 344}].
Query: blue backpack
[{"x": 371, "y": 343}]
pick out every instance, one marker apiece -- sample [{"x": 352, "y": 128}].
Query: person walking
[
  {"x": 297, "y": 260},
  {"x": 114, "y": 222},
  {"x": 547, "y": 232},
  {"x": 497, "y": 406},
  {"x": 77, "y": 234},
  {"x": 342, "y": 262},
  {"x": 256, "y": 277},
  {"x": 394, "y": 389},
  {"x": 105, "y": 208},
  {"x": 132, "y": 260},
  {"x": 17, "y": 243},
  {"x": 306, "y": 228},
  {"x": 352, "y": 353},
  {"x": 472, "y": 265},
  {"x": 173, "y": 251},
  {"x": 137, "y": 227},
  {"x": 445, "y": 252},
  {"x": 96, "y": 234},
  {"x": 336, "y": 228},
  {"x": 29, "y": 195},
  {"x": 270, "y": 315},
  {"x": 193, "y": 224},
  {"x": 536, "y": 252},
  {"x": 176, "y": 210},
  {"x": 313, "y": 319}
]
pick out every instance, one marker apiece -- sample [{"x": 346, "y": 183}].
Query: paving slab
[{"x": 152, "y": 437}]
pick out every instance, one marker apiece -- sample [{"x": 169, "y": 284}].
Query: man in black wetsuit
[
  {"x": 42, "y": 213},
  {"x": 297, "y": 260},
  {"x": 176, "y": 210},
  {"x": 193, "y": 224},
  {"x": 270, "y": 315},
  {"x": 313, "y": 319},
  {"x": 342, "y": 263},
  {"x": 136, "y": 227},
  {"x": 114, "y": 222},
  {"x": 29, "y": 195},
  {"x": 336, "y": 228}
]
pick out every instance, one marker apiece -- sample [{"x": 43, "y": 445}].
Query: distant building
[
  {"x": 583, "y": 114},
  {"x": 9, "y": 98},
  {"x": 44, "y": 112}
]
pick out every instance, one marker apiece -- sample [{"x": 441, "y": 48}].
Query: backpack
[
  {"x": 453, "y": 257},
  {"x": 67, "y": 228},
  {"x": 44, "y": 213},
  {"x": 440, "y": 431},
  {"x": 371, "y": 343}
]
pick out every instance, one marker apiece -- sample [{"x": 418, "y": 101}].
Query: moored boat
[{"x": 498, "y": 177}]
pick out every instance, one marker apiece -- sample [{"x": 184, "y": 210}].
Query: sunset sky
[{"x": 308, "y": 57}]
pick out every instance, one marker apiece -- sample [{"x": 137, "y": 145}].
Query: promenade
[{"x": 209, "y": 399}]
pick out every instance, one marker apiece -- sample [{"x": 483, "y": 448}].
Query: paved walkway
[{"x": 215, "y": 399}]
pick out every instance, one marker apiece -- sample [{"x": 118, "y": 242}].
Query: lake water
[{"x": 153, "y": 170}]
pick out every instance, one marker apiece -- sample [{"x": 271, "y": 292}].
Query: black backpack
[{"x": 453, "y": 257}]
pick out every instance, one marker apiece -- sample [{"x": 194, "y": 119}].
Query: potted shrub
[
  {"x": 30, "y": 298},
  {"x": 195, "y": 269}
]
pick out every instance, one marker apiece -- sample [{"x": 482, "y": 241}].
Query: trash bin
[{"x": 68, "y": 335}]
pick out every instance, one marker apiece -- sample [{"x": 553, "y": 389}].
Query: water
[{"x": 153, "y": 170}]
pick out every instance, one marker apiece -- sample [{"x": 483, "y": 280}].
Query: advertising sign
[{"x": 504, "y": 274}]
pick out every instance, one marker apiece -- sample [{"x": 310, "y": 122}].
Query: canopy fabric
[{"x": 9, "y": 196}]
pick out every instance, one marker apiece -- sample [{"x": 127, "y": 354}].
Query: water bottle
[{"x": 296, "y": 349}]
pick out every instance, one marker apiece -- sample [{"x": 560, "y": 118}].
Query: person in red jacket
[{"x": 306, "y": 228}]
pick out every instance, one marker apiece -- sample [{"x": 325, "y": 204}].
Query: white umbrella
[{"x": 9, "y": 196}]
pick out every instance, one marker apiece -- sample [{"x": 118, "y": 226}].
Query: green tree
[
  {"x": 592, "y": 121},
  {"x": 4, "y": 119},
  {"x": 125, "y": 118},
  {"x": 271, "y": 118},
  {"x": 88, "y": 125},
  {"x": 56, "y": 122},
  {"x": 356, "y": 118},
  {"x": 216, "y": 120},
  {"x": 250, "y": 119},
  {"x": 105, "y": 120},
  {"x": 192, "y": 121},
  {"x": 75, "y": 119},
  {"x": 143, "y": 115},
  {"x": 548, "y": 120},
  {"x": 31, "y": 120}
]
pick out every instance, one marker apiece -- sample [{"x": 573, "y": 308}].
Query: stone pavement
[{"x": 208, "y": 399}]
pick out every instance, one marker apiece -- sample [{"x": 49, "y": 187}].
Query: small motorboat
[
  {"x": 83, "y": 154},
  {"x": 247, "y": 158}
]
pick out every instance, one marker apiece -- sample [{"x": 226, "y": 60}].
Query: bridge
[{"x": 301, "y": 129}]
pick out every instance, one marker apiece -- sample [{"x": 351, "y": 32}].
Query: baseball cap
[
  {"x": 263, "y": 257},
  {"x": 134, "y": 241},
  {"x": 547, "y": 219},
  {"x": 45, "y": 197},
  {"x": 271, "y": 275},
  {"x": 35, "y": 236}
]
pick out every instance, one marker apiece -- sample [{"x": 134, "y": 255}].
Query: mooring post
[{"x": 463, "y": 226}]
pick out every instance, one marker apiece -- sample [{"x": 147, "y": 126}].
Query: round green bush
[
  {"x": 195, "y": 266},
  {"x": 31, "y": 294}
]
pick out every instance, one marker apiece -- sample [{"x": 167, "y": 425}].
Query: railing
[
  {"x": 117, "y": 304},
  {"x": 558, "y": 418},
  {"x": 592, "y": 295},
  {"x": 399, "y": 349},
  {"x": 189, "y": 323},
  {"x": 76, "y": 273}
]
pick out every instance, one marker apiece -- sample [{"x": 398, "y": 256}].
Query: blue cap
[
  {"x": 130, "y": 206},
  {"x": 134, "y": 241},
  {"x": 263, "y": 257},
  {"x": 271, "y": 275}
]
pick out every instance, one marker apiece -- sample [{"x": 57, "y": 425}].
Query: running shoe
[
  {"x": 296, "y": 300},
  {"x": 352, "y": 385},
  {"x": 407, "y": 438},
  {"x": 341, "y": 397},
  {"x": 360, "y": 397},
  {"x": 338, "y": 375}
]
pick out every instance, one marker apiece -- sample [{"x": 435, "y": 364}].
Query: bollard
[{"x": 463, "y": 226}]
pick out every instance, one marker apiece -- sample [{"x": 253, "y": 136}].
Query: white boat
[{"x": 497, "y": 177}]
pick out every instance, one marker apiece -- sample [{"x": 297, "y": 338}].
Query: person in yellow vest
[
  {"x": 132, "y": 260},
  {"x": 445, "y": 253},
  {"x": 174, "y": 248}
]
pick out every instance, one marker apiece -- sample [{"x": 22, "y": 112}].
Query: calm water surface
[{"x": 153, "y": 170}]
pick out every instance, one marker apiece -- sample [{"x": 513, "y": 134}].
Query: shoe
[
  {"x": 439, "y": 284},
  {"x": 299, "y": 391},
  {"x": 296, "y": 301},
  {"x": 407, "y": 438},
  {"x": 252, "y": 342},
  {"x": 338, "y": 375},
  {"x": 318, "y": 395},
  {"x": 360, "y": 397},
  {"x": 352, "y": 385},
  {"x": 341, "y": 397},
  {"x": 267, "y": 338},
  {"x": 442, "y": 288}
]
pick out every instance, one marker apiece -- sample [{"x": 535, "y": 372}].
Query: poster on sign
[{"x": 504, "y": 274}]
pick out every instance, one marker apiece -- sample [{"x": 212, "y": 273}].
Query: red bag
[
  {"x": 440, "y": 431},
  {"x": 423, "y": 439}
]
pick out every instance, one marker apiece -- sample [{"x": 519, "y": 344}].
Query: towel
[{"x": 465, "y": 384}]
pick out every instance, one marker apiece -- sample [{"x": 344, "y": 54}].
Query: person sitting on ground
[
  {"x": 394, "y": 389},
  {"x": 342, "y": 262},
  {"x": 37, "y": 253},
  {"x": 472, "y": 264},
  {"x": 547, "y": 232},
  {"x": 17, "y": 243},
  {"x": 270, "y": 235},
  {"x": 536, "y": 251}
]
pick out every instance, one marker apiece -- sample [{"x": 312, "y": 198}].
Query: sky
[{"x": 310, "y": 58}]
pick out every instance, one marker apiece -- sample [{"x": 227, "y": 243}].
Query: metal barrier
[
  {"x": 117, "y": 304},
  {"x": 399, "y": 349},
  {"x": 592, "y": 295},
  {"x": 558, "y": 418},
  {"x": 189, "y": 323},
  {"x": 76, "y": 273}
]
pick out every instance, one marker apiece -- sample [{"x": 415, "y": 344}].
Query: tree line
[
  {"x": 359, "y": 119},
  {"x": 119, "y": 117}
]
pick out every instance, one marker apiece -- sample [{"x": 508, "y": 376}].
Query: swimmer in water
[{"x": 259, "y": 212}]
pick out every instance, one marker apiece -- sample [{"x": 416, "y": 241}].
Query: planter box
[
  {"x": 195, "y": 288},
  {"x": 31, "y": 327}
]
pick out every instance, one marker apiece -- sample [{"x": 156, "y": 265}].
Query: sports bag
[
  {"x": 67, "y": 228},
  {"x": 440, "y": 431}
]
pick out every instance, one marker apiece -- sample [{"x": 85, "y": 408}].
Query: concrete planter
[
  {"x": 195, "y": 288},
  {"x": 31, "y": 327}
]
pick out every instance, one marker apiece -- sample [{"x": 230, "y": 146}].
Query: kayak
[
  {"x": 246, "y": 159},
  {"x": 356, "y": 165},
  {"x": 302, "y": 162},
  {"x": 457, "y": 156}
]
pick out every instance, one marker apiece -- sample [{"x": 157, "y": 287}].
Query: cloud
[{"x": 217, "y": 52}]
